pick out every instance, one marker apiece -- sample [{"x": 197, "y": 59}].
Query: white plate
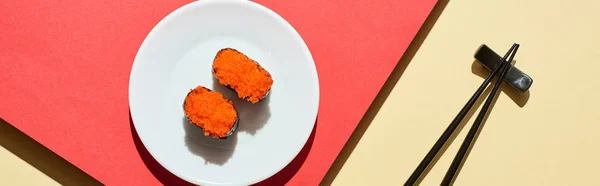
[{"x": 177, "y": 56}]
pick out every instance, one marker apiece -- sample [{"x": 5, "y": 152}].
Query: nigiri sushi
[
  {"x": 242, "y": 74},
  {"x": 211, "y": 111}
]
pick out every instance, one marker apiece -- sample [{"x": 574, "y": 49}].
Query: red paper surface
[{"x": 64, "y": 73}]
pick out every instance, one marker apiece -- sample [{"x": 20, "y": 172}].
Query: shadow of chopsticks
[{"x": 42, "y": 158}]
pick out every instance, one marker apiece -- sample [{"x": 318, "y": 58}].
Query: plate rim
[{"x": 184, "y": 8}]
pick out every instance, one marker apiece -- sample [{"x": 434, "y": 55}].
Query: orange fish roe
[
  {"x": 242, "y": 74},
  {"x": 210, "y": 111}
]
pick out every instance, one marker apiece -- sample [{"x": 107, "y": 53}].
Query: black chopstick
[
  {"x": 462, "y": 152},
  {"x": 452, "y": 127}
]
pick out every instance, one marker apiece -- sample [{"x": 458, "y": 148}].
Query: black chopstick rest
[{"x": 514, "y": 77}]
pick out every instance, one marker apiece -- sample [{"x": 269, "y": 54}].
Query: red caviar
[
  {"x": 210, "y": 111},
  {"x": 242, "y": 74}
]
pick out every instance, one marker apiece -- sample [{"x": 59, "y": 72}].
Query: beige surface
[
  {"x": 554, "y": 139},
  {"x": 15, "y": 171},
  {"x": 23, "y": 161}
]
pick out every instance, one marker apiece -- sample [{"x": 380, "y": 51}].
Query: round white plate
[{"x": 177, "y": 55}]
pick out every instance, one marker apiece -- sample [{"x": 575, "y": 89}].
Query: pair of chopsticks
[{"x": 502, "y": 68}]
